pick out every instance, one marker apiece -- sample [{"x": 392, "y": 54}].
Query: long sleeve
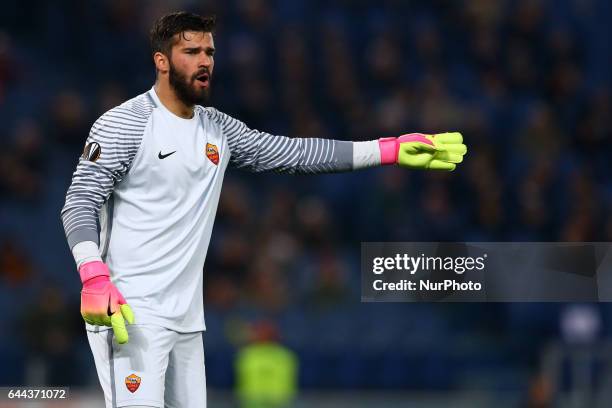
[
  {"x": 259, "y": 151},
  {"x": 109, "y": 151}
]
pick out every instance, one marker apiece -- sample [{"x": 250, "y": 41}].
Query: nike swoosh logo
[{"x": 163, "y": 156}]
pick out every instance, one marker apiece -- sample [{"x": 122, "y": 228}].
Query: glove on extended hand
[{"x": 418, "y": 151}]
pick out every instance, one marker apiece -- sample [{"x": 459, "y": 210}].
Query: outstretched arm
[{"x": 260, "y": 151}]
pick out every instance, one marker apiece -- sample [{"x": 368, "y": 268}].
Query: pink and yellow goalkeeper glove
[
  {"x": 418, "y": 151},
  {"x": 101, "y": 302}
]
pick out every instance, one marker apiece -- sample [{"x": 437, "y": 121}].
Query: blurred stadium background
[{"x": 527, "y": 82}]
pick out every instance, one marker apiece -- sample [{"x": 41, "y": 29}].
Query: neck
[{"x": 168, "y": 97}]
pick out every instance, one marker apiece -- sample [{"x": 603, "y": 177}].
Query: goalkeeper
[{"x": 139, "y": 212}]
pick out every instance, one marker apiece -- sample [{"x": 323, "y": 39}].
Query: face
[{"x": 191, "y": 66}]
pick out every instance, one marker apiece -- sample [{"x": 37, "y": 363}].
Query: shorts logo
[
  {"x": 92, "y": 152},
  {"x": 132, "y": 382},
  {"x": 212, "y": 153}
]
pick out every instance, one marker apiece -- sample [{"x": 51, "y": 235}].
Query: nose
[{"x": 206, "y": 60}]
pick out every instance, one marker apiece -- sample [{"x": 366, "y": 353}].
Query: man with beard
[{"x": 150, "y": 176}]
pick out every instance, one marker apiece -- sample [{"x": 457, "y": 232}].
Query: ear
[{"x": 161, "y": 62}]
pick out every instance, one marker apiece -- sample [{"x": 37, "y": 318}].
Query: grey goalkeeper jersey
[{"x": 146, "y": 191}]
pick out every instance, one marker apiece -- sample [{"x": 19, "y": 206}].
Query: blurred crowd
[{"x": 527, "y": 82}]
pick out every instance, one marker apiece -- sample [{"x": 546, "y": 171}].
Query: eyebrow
[{"x": 208, "y": 49}]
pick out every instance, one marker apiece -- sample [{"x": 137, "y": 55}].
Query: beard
[{"x": 185, "y": 88}]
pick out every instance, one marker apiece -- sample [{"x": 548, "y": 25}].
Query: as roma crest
[
  {"x": 212, "y": 153},
  {"x": 132, "y": 382}
]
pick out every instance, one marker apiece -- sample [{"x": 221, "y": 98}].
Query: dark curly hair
[{"x": 166, "y": 27}]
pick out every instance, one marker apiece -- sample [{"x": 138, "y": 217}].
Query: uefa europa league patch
[
  {"x": 92, "y": 152},
  {"x": 132, "y": 382},
  {"x": 212, "y": 153}
]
